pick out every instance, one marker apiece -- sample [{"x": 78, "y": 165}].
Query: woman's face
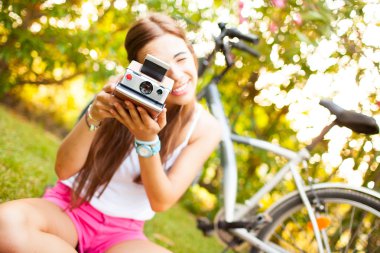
[{"x": 174, "y": 51}]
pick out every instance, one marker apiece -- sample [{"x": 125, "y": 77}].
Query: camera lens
[
  {"x": 159, "y": 92},
  {"x": 146, "y": 87}
]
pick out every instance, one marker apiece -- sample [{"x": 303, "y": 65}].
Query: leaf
[
  {"x": 303, "y": 37},
  {"x": 312, "y": 16}
]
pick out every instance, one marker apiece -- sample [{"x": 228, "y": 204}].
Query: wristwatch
[{"x": 147, "y": 149}]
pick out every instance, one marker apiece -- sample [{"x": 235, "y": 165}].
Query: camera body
[{"x": 146, "y": 85}]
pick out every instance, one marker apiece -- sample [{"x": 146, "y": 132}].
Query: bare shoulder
[{"x": 208, "y": 127}]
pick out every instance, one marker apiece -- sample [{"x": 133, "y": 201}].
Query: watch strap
[
  {"x": 147, "y": 148},
  {"x": 148, "y": 142}
]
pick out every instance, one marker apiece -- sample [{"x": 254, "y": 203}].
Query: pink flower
[
  {"x": 241, "y": 4},
  {"x": 241, "y": 7},
  {"x": 273, "y": 27},
  {"x": 297, "y": 19},
  {"x": 279, "y": 3}
]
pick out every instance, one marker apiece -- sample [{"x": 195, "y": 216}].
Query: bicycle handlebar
[
  {"x": 225, "y": 46},
  {"x": 233, "y": 32},
  {"x": 243, "y": 47}
]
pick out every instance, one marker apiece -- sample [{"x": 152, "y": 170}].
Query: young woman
[{"x": 107, "y": 188}]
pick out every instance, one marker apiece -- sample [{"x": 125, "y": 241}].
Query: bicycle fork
[{"x": 313, "y": 219}]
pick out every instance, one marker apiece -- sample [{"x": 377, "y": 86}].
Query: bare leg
[
  {"x": 35, "y": 225},
  {"x": 137, "y": 246}
]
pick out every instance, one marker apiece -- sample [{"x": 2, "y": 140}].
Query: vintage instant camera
[{"x": 146, "y": 85}]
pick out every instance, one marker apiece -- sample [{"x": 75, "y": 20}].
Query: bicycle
[{"x": 320, "y": 209}]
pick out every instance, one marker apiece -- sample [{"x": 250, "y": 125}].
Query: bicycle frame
[
  {"x": 228, "y": 160},
  {"x": 354, "y": 121}
]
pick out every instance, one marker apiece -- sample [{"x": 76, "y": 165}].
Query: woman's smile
[
  {"x": 175, "y": 52},
  {"x": 181, "y": 90}
]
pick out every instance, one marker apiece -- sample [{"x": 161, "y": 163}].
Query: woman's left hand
[{"x": 138, "y": 120}]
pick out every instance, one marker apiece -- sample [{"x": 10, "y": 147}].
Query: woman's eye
[{"x": 181, "y": 59}]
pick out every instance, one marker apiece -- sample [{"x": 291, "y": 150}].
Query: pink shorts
[{"x": 97, "y": 232}]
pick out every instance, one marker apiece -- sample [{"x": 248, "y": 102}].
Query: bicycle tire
[{"x": 290, "y": 222}]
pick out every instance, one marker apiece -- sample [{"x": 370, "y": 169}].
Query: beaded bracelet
[
  {"x": 92, "y": 127},
  {"x": 89, "y": 114}
]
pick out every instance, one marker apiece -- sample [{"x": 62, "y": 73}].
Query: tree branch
[{"x": 50, "y": 80}]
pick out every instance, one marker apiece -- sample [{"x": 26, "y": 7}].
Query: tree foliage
[{"x": 274, "y": 97}]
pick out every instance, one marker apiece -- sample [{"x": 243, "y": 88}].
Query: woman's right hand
[
  {"x": 73, "y": 152},
  {"x": 103, "y": 103}
]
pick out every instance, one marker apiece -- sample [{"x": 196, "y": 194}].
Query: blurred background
[{"x": 56, "y": 54}]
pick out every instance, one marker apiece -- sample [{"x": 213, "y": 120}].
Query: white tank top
[{"x": 124, "y": 198}]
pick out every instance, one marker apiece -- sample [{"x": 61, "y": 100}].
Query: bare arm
[
  {"x": 74, "y": 149},
  {"x": 163, "y": 189}
]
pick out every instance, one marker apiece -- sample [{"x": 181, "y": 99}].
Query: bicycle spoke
[
  {"x": 375, "y": 229},
  {"x": 356, "y": 233},
  {"x": 288, "y": 235},
  {"x": 351, "y": 221},
  {"x": 296, "y": 223},
  {"x": 348, "y": 223},
  {"x": 290, "y": 244}
]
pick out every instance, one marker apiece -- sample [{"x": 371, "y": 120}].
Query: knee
[
  {"x": 13, "y": 227},
  {"x": 12, "y": 216}
]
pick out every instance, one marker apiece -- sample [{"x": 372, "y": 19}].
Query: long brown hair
[{"x": 113, "y": 141}]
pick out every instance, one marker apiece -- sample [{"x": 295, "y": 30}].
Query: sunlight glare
[
  {"x": 197, "y": 5},
  {"x": 35, "y": 27},
  {"x": 224, "y": 15},
  {"x": 346, "y": 171},
  {"x": 343, "y": 26},
  {"x": 58, "y": 73},
  {"x": 371, "y": 184},
  {"x": 376, "y": 144},
  {"x": 335, "y": 4},
  {"x": 110, "y": 65},
  {"x": 120, "y": 4},
  {"x": 50, "y": 3},
  {"x": 93, "y": 54},
  {"x": 219, "y": 59},
  {"x": 371, "y": 36},
  {"x": 367, "y": 146},
  {"x": 141, "y": 8},
  {"x": 321, "y": 59}
]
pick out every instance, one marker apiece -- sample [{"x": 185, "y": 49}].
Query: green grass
[{"x": 27, "y": 155}]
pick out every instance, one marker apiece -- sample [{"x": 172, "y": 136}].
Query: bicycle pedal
[
  {"x": 263, "y": 218},
  {"x": 205, "y": 225}
]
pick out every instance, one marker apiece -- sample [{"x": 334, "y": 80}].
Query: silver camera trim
[{"x": 129, "y": 88}]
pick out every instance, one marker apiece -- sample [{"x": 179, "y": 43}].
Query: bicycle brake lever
[{"x": 227, "y": 53}]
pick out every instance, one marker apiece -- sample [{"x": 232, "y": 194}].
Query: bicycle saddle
[{"x": 357, "y": 122}]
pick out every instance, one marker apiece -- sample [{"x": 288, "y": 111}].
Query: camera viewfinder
[{"x": 154, "y": 68}]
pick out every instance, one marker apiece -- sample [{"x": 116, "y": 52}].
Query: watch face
[
  {"x": 147, "y": 150},
  {"x": 144, "y": 150}
]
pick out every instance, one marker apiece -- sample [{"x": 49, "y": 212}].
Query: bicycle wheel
[{"x": 350, "y": 220}]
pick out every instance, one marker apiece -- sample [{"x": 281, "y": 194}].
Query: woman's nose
[{"x": 174, "y": 72}]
